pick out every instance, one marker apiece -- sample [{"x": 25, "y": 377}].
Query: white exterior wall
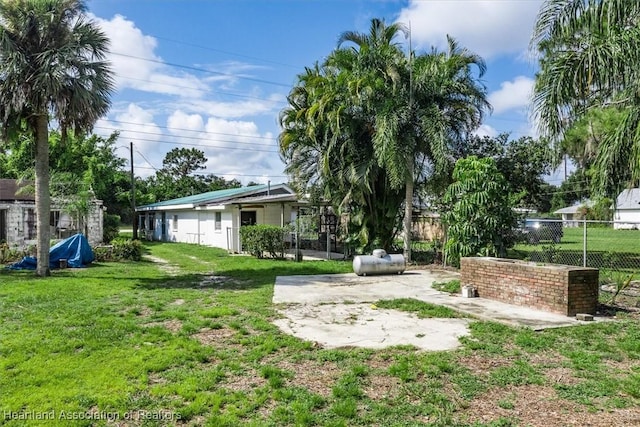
[
  {"x": 198, "y": 226},
  {"x": 627, "y": 219}
]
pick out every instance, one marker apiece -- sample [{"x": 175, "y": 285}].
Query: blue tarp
[{"x": 75, "y": 249}]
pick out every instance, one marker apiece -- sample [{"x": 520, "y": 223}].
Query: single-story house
[
  {"x": 571, "y": 214},
  {"x": 215, "y": 218},
  {"x": 18, "y": 217},
  {"x": 627, "y": 209}
]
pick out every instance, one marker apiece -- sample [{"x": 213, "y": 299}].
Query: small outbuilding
[
  {"x": 572, "y": 214},
  {"x": 18, "y": 217},
  {"x": 627, "y": 209}
]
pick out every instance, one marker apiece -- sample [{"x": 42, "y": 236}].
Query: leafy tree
[
  {"x": 179, "y": 178},
  {"x": 51, "y": 66},
  {"x": 574, "y": 189},
  {"x": 523, "y": 163},
  {"x": 589, "y": 59},
  {"x": 81, "y": 167},
  {"x": 370, "y": 122},
  {"x": 583, "y": 140},
  {"x": 479, "y": 215},
  {"x": 176, "y": 178}
]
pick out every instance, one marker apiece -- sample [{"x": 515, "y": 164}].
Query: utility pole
[{"x": 133, "y": 194}]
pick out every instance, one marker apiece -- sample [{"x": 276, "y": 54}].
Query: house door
[
  {"x": 3, "y": 226},
  {"x": 164, "y": 227},
  {"x": 248, "y": 218}
]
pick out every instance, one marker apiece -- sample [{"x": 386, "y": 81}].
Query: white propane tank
[{"x": 380, "y": 262}]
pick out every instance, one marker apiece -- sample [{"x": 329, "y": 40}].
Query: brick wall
[{"x": 556, "y": 288}]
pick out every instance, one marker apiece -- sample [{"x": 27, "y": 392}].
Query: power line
[
  {"x": 202, "y": 70},
  {"x": 239, "y": 55},
  {"x": 198, "y": 131},
  {"x": 220, "y": 173},
  {"x": 199, "y": 145},
  {"x": 187, "y": 137},
  {"x": 208, "y": 90}
]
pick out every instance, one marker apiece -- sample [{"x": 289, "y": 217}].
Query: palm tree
[
  {"x": 370, "y": 121},
  {"x": 441, "y": 101},
  {"x": 425, "y": 101},
  {"x": 589, "y": 54},
  {"x": 52, "y": 67}
]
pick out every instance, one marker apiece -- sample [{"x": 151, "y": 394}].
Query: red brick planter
[{"x": 557, "y": 288}]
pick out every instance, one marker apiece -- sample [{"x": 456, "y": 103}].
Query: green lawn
[
  {"x": 189, "y": 342},
  {"x": 607, "y": 249}
]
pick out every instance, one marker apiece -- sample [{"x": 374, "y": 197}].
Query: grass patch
[
  {"x": 191, "y": 338},
  {"x": 452, "y": 286},
  {"x": 422, "y": 309}
]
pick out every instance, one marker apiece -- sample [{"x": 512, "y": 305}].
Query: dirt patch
[
  {"x": 179, "y": 301},
  {"x": 316, "y": 377},
  {"x": 481, "y": 364},
  {"x": 163, "y": 264},
  {"x": 561, "y": 375},
  {"x": 380, "y": 387},
  {"x": 144, "y": 312},
  {"x": 214, "y": 281},
  {"x": 208, "y": 336},
  {"x": 246, "y": 382},
  {"x": 173, "y": 325},
  {"x": 539, "y": 406}
]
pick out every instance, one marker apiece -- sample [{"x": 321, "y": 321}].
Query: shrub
[
  {"x": 258, "y": 239},
  {"x": 478, "y": 211},
  {"x": 7, "y": 254},
  {"x": 127, "y": 249},
  {"x": 110, "y": 225}
]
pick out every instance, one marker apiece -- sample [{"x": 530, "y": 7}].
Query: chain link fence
[{"x": 606, "y": 245}]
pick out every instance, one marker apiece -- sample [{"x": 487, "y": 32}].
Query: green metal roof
[{"x": 205, "y": 198}]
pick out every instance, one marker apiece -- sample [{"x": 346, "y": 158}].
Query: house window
[
  {"x": 54, "y": 218},
  {"x": 152, "y": 222},
  {"x": 218, "y": 225},
  {"x": 175, "y": 223},
  {"x": 3, "y": 225},
  {"x": 30, "y": 224}
]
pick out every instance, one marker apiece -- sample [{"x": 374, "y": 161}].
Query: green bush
[
  {"x": 261, "y": 239},
  {"x": 110, "y": 225},
  {"x": 127, "y": 249}
]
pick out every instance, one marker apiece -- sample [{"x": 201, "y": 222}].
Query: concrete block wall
[
  {"x": 555, "y": 288},
  {"x": 17, "y": 225}
]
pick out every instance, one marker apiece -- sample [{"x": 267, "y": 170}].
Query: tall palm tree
[
  {"x": 441, "y": 100},
  {"x": 371, "y": 120},
  {"x": 589, "y": 53},
  {"x": 52, "y": 67}
]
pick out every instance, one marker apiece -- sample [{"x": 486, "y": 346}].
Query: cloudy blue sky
[{"x": 214, "y": 74}]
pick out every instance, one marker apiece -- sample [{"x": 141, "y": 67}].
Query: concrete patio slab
[{"x": 336, "y": 310}]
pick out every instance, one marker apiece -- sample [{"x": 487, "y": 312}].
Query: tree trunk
[
  {"x": 408, "y": 212},
  {"x": 43, "y": 198}
]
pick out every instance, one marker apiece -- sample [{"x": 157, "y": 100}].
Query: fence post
[
  {"x": 584, "y": 243},
  {"x": 328, "y": 243}
]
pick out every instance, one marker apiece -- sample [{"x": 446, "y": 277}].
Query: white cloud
[
  {"x": 185, "y": 110},
  {"x": 136, "y": 65},
  {"x": 232, "y": 110},
  {"x": 486, "y": 130},
  {"x": 514, "y": 94},
  {"x": 487, "y": 27}
]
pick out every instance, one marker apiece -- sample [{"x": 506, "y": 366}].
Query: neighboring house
[
  {"x": 215, "y": 218},
  {"x": 18, "y": 218},
  {"x": 426, "y": 226},
  {"x": 571, "y": 215},
  {"x": 627, "y": 209}
]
